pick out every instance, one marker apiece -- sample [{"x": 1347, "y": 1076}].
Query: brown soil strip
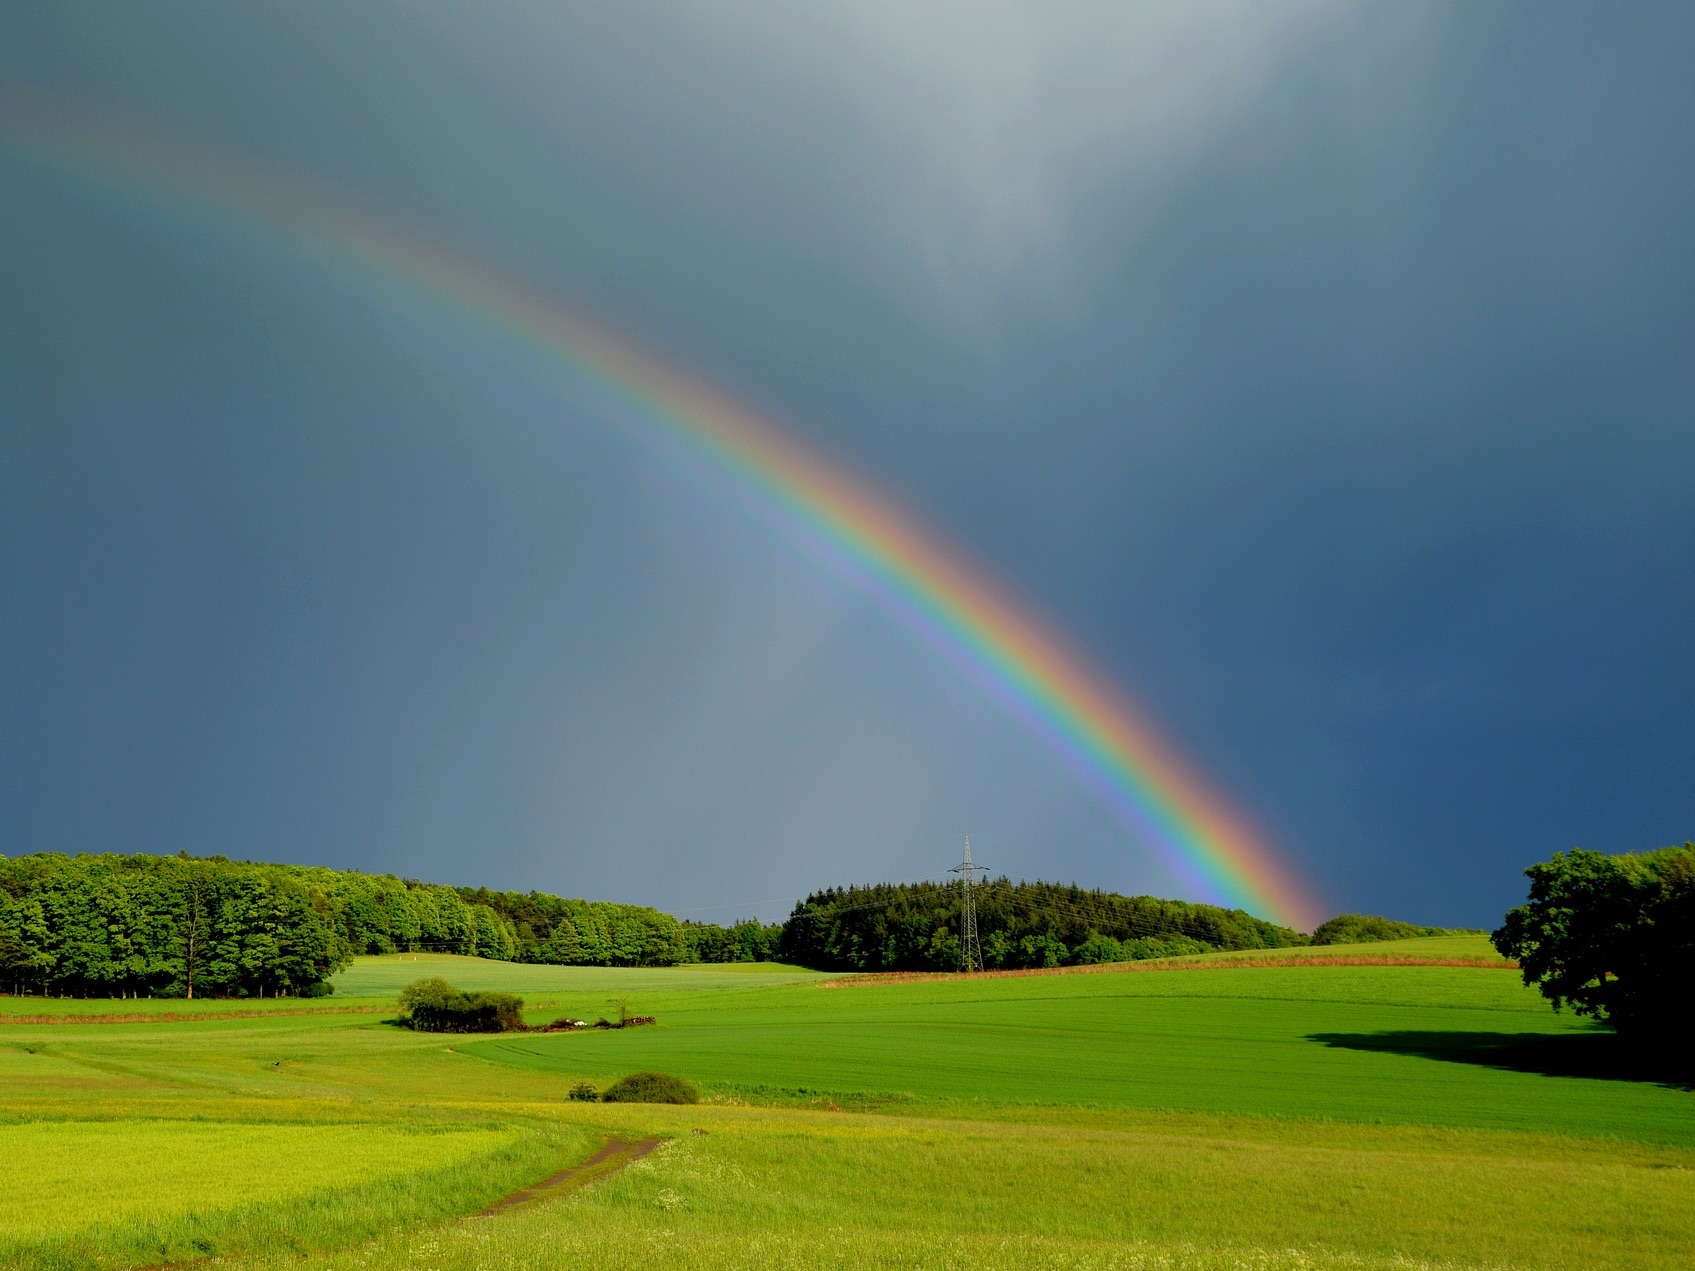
[
  {"x": 1156, "y": 964},
  {"x": 613, "y": 1156},
  {"x": 187, "y": 1017}
]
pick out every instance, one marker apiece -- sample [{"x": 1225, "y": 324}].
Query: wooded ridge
[{"x": 106, "y": 925}]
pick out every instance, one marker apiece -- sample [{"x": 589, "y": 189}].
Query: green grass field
[
  {"x": 385, "y": 977},
  {"x": 1207, "y": 1115}
]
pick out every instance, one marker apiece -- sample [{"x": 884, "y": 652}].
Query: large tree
[{"x": 1613, "y": 937}]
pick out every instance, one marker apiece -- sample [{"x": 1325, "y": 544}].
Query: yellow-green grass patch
[
  {"x": 125, "y": 1170},
  {"x": 127, "y": 1192},
  {"x": 784, "y": 1188}
]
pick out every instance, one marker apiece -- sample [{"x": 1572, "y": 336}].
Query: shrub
[
  {"x": 1041, "y": 951},
  {"x": 651, "y": 1087},
  {"x": 584, "y": 1092},
  {"x": 435, "y": 1006},
  {"x": 1144, "y": 947},
  {"x": 433, "y": 991},
  {"x": 1368, "y": 929},
  {"x": 321, "y": 989},
  {"x": 1097, "y": 948}
]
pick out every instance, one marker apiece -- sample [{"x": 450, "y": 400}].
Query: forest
[
  {"x": 182, "y": 926},
  {"x": 179, "y": 926},
  {"x": 915, "y": 927}
]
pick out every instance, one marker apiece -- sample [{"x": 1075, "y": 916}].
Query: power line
[{"x": 970, "y": 952}]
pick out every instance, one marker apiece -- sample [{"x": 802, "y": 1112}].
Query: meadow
[{"x": 1203, "y": 1114}]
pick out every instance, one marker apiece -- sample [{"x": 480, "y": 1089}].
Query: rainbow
[{"x": 1023, "y": 664}]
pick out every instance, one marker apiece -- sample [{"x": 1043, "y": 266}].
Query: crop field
[{"x": 1207, "y": 1115}]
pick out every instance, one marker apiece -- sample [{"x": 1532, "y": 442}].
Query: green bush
[
  {"x": 1162, "y": 947},
  {"x": 1368, "y": 929},
  {"x": 651, "y": 1087},
  {"x": 321, "y": 989},
  {"x": 584, "y": 1092},
  {"x": 1096, "y": 949},
  {"x": 431, "y": 991},
  {"x": 433, "y": 1005}
]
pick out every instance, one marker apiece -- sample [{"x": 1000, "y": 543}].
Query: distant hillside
[
  {"x": 915, "y": 927},
  {"x": 1369, "y": 928},
  {"x": 171, "y": 926}
]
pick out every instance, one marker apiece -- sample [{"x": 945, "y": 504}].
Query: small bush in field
[
  {"x": 651, "y": 1087},
  {"x": 584, "y": 1092},
  {"x": 435, "y": 1006}
]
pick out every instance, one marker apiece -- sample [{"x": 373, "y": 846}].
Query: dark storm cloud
[{"x": 1324, "y": 371}]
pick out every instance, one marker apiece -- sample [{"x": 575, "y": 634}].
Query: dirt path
[{"x": 613, "y": 1156}]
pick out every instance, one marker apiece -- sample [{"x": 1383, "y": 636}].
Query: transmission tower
[{"x": 970, "y": 952}]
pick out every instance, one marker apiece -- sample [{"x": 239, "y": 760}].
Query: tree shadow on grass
[{"x": 1599, "y": 1055}]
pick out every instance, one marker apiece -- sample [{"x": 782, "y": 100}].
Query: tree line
[
  {"x": 121, "y": 926},
  {"x": 744, "y": 941},
  {"x": 1610, "y": 936},
  {"x": 915, "y": 927},
  {"x": 566, "y": 932},
  {"x": 182, "y": 926},
  {"x": 138, "y": 925}
]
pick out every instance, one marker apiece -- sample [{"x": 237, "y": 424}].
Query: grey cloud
[{"x": 1322, "y": 370}]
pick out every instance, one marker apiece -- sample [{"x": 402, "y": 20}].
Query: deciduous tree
[{"x": 1613, "y": 937}]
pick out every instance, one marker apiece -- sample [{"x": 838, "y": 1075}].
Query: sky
[{"x": 1320, "y": 373}]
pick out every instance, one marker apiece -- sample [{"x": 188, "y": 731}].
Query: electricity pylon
[{"x": 970, "y": 952}]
